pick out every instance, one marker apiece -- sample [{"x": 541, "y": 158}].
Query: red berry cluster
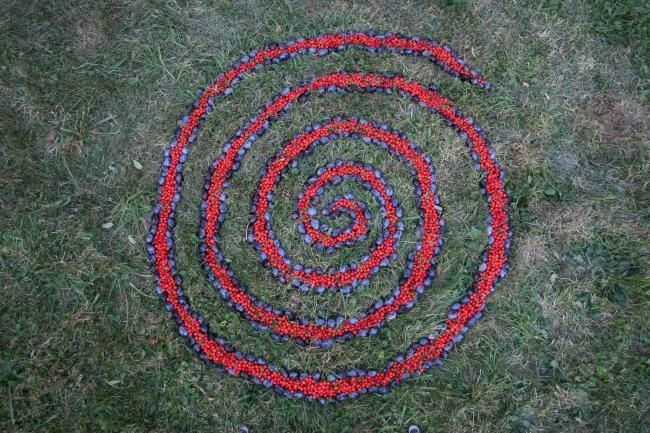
[{"x": 420, "y": 270}]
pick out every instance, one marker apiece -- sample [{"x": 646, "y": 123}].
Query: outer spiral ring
[{"x": 422, "y": 354}]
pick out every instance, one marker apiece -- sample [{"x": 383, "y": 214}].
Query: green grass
[{"x": 89, "y": 97}]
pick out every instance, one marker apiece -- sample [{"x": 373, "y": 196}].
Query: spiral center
[
  {"x": 348, "y": 276},
  {"x": 328, "y": 239}
]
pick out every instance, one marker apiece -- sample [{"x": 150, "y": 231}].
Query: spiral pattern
[{"x": 420, "y": 269}]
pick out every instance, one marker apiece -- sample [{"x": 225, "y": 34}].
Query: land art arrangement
[{"x": 309, "y": 221}]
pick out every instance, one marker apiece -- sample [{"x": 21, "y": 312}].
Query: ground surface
[{"x": 90, "y": 96}]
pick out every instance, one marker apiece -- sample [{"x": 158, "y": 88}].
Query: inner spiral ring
[
  {"x": 348, "y": 276},
  {"x": 420, "y": 266},
  {"x": 423, "y": 353},
  {"x": 352, "y": 275}
]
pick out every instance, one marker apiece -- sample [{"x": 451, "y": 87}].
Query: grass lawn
[{"x": 90, "y": 95}]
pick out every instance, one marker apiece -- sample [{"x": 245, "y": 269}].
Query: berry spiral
[{"x": 420, "y": 269}]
